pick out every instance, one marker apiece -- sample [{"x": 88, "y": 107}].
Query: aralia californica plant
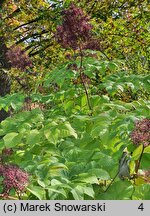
[{"x": 75, "y": 32}]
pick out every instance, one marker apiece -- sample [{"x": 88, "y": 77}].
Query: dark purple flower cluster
[
  {"x": 18, "y": 58},
  {"x": 141, "y": 133},
  {"x": 75, "y": 29},
  {"x": 14, "y": 178},
  {"x": 92, "y": 44}
]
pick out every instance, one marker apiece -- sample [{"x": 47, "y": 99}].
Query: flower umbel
[
  {"x": 141, "y": 133},
  {"x": 13, "y": 178},
  {"x": 18, "y": 58},
  {"x": 75, "y": 28}
]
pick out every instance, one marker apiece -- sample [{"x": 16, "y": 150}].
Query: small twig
[
  {"x": 23, "y": 85},
  {"x": 111, "y": 182},
  {"x": 18, "y": 194},
  {"x": 8, "y": 197}
]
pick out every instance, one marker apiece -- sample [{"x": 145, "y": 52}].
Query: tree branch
[
  {"x": 31, "y": 53},
  {"x": 28, "y": 23},
  {"x": 32, "y": 35},
  {"x": 13, "y": 14}
]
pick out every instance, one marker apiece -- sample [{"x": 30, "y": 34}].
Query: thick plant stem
[
  {"x": 139, "y": 161},
  {"x": 82, "y": 80}
]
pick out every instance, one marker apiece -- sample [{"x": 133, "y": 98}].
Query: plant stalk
[
  {"x": 139, "y": 161},
  {"x": 82, "y": 80}
]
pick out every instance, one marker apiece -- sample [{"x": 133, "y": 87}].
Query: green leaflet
[{"x": 11, "y": 139}]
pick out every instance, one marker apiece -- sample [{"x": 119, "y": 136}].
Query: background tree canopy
[
  {"x": 121, "y": 26},
  {"x": 74, "y": 95}
]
